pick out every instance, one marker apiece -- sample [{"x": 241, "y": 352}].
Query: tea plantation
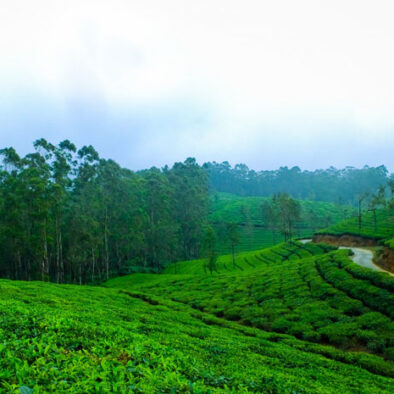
[
  {"x": 381, "y": 229},
  {"x": 246, "y": 212},
  {"x": 322, "y": 298},
  {"x": 292, "y": 318}
]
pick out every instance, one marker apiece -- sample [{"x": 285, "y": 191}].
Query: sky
[{"x": 150, "y": 82}]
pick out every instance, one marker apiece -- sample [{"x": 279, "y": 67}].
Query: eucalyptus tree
[
  {"x": 71, "y": 216},
  {"x": 190, "y": 185},
  {"x": 233, "y": 237},
  {"x": 62, "y": 167},
  {"x": 330, "y": 184},
  {"x": 161, "y": 230},
  {"x": 361, "y": 197},
  {"x": 209, "y": 249},
  {"x": 289, "y": 213},
  {"x": 377, "y": 200},
  {"x": 390, "y": 184},
  {"x": 282, "y": 212},
  {"x": 83, "y": 217},
  {"x": 270, "y": 217},
  {"x": 13, "y": 209}
]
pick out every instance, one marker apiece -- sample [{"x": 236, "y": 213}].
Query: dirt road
[{"x": 361, "y": 256}]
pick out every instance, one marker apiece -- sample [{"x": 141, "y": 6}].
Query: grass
[{"x": 246, "y": 212}]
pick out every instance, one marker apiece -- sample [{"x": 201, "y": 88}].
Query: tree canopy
[
  {"x": 68, "y": 215},
  {"x": 332, "y": 185}
]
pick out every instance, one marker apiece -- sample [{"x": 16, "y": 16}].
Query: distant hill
[{"x": 331, "y": 184}]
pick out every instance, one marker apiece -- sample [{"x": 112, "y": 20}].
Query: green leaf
[{"x": 25, "y": 390}]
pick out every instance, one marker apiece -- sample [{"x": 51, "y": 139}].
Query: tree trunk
[
  {"x": 57, "y": 251},
  {"x": 359, "y": 215},
  {"x": 61, "y": 257},
  {"x": 374, "y": 220},
  {"x": 45, "y": 265},
  {"x": 106, "y": 245},
  {"x": 93, "y": 264}
]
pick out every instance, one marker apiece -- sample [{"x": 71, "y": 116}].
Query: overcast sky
[{"x": 149, "y": 82}]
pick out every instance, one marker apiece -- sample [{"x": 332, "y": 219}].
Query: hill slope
[
  {"x": 85, "y": 339},
  {"x": 377, "y": 229},
  {"x": 384, "y": 228},
  {"x": 246, "y": 212},
  {"x": 292, "y": 318},
  {"x": 292, "y": 288}
]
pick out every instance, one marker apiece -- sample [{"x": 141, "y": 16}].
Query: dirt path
[{"x": 361, "y": 256}]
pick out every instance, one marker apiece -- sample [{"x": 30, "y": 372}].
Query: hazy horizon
[{"x": 268, "y": 84}]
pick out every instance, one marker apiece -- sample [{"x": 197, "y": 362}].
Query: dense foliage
[
  {"x": 334, "y": 185},
  {"x": 257, "y": 229},
  {"x": 71, "y": 216},
  {"x": 67, "y": 338},
  {"x": 307, "y": 291}
]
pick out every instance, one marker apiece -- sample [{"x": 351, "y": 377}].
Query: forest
[
  {"x": 341, "y": 186},
  {"x": 67, "y": 215}
]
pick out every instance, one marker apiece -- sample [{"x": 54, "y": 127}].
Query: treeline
[
  {"x": 342, "y": 186},
  {"x": 69, "y": 216}
]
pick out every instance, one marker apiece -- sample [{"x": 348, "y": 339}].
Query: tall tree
[
  {"x": 288, "y": 213},
  {"x": 360, "y": 200},
  {"x": 191, "y": 200},
  {"x": 209, "y": 249},
  {"x": 233, "y": 237}
]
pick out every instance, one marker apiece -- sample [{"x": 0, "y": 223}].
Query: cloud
[{"x": 266, "y": 83}]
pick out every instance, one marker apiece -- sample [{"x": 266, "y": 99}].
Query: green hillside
[
  {"x": 300, "y": 320},
  {"x": 246, "y": 212},
  {"x": 384, "y": 226},
  {"x": 247, "y": 261},
  {"x": 295, "y": 289}
]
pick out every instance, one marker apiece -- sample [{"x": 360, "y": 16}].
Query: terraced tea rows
[
  {"x": 384, "y": 226},
  {"x": 61, "y": 338},
  {"x": 324, "y": 298},
  {"x": 249, "y": 260},
  {"x": 292, "y": 318},
  {"x": 246, "y": 211}
]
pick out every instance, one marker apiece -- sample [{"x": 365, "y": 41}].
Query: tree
[
  {"x": 288, "y": 213},
  {"x": 71, "y": 216},
  {"x": 161, "y": 230},
  {"x": 390, "y": 185},
  {"x": 209, "y": 248},
  {"x": 191, "y": 201},
  {"x": 360, "y": 199},
  {"x": 377, "y": 200},
  {"x": 270, "y": 217},
  {"x": 233, "y": 236},
  {"x": 331, "y": 184}
]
